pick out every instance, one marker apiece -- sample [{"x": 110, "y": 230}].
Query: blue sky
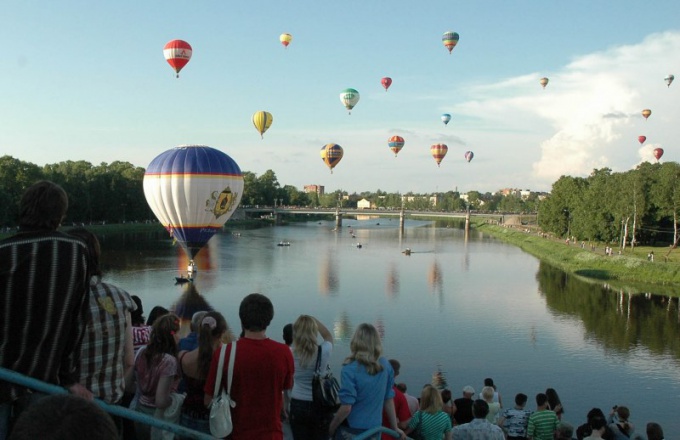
[{"x": 88, "y": 81}]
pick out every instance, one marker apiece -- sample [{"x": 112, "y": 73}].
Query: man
[
  {"x": 400, "y": 404},
  {"x": 514, "y": 420},
  {"x": 461, "y": 411},
  {"x": 542, "y": 423},
  {"x": 43, "y": 299},
  {"x": 479, "y": 428},
  {"x": 263, "y": 370},
  {"x": 190, "y": 342},
  {"x": 413, "y": 403}
]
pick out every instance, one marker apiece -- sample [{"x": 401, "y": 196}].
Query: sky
[{"x": 86, "y": 80}]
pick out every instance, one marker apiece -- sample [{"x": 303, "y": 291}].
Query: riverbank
[{"x": 630, "y": 271}]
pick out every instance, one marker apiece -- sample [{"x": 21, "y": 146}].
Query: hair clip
[{"x": 210, "y": 322}]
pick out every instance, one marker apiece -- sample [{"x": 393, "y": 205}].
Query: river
[{"x": 470, "y": 307}]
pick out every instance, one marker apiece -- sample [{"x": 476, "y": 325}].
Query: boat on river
[
  {"x": 283, "y": 243},
  {"x": 183, "y": 280}
]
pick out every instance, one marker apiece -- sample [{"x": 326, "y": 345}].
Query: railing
[
  {"x": 34, "y": 384},
  {"x": 367, "y": 434}
]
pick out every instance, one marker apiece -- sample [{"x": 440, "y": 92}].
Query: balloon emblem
[
  {"x": 396, "y": 143},
  {"x": 669, "y": 79},
  {"x": 450, "y": 39},
  {"x": 349, "y": 98},
  {"x": 438, "y": 152},
  {"x": 646, "y": 112},
  {"x": 177, "y": 53},
  {"x": 386, "y": 82},
  {"x": 331, "y": 155},
  {"x": 262, "y": 121},
  {"x": 193, "y": 190},
  {"x": 285, "y": 39},
  {"x": 469, "y": 155},
  {"x": 544, "y": 82},
  {"x": 657, "y": 152},
  {"x": 446, "y": 118},
  {"x": 642, "y": 139}
]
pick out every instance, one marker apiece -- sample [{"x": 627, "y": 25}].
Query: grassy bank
[{"x": 630, "y": 271}]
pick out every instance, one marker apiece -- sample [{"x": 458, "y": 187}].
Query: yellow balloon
[
  {"x": 285, "y": 39},
  {"x": 262, "y": 120}
]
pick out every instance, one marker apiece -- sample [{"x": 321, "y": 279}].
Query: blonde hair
[
  {"x": 366, "y": 348},
  {"x": 305, "y": 347},
  {"x": 431, "y": 400},
  {"x": 487, "y": 393}
]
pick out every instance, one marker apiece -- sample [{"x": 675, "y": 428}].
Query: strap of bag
[
  {"x": 220, "y": 366},
  {"x": 230, "y": 373},
  {"x": 318, "y": 362}
]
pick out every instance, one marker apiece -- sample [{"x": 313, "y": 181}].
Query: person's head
[
  {"x": 654, "y": 431},
  {"x": 521, "y": 400},
  {"x": 598, "y": 424},
  {"x": 64, "y": 416},
  {"x": 137, "y": 315},
  {"x": 446, "y": 395},
  {"x": 43, "y": 206},
  {"x": 401, "y": 386},
  {"x": 565, "y": 431},
  {"x": 623, "y": 413},
  {"x": 156, "y": 313},
  {"x": 210, "y": 331},
  {"x": 163, "y": 339},
  {"x": 93, "y": 249},
  {"x": 396, "y": 366},
  {"x": 431, "y": 400},
  {"x": 488, "y": 382},
  {"x": 305, "y": 332},
  {"x": 468, "y": 392},
  {"x": 480, "y": 409},
  {"x": 196, "y": 319},
  {"x": 288, "y": 334},
  {"x": 593, "y": 413},
  {"x": 553, "y": 398},
  {"x": 487, "y": 394},
  {"x": 256, "y": 312},
  {"x": 366, "y": 348},
  {"x": 541, "y": 400}
]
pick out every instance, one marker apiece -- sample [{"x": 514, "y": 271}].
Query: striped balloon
[
  {"x": 262, "y": 121},
  {"x": 450, "y": 39},
  {"x": 349, "y": 98},
  {"x": 177, "y": 53},
  {"x": 331, "y": 155},
  {"x": 396, "y": 143},
  {"x": 438, "y": 151},
  {"x": 193, "y": 190}
]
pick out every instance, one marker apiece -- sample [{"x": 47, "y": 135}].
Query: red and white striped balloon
[{"x": 177, "y": 54}]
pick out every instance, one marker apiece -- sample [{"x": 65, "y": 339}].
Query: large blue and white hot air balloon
[{"x": 193, "y": 190}]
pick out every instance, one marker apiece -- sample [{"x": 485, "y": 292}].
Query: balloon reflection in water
[
  {"x": 206, "y": 263},
  {"x": 435, "y": 279},
  {"x": 392, "y": 285},
  {"x": 329, "y": 281},
  {"x": 189, "y": 303},
  {"x": 380, "y": 326},
  {"x": 342, "y": 328}
]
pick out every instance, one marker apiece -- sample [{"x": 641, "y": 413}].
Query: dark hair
[
  {"x": 446, "y": 395},
  {"x": 565, "y": 431},
  {"x": 93, "y": 249},
  {"x": 541, "y": 399},
  {"x": 488, "y": 382},
  {"x": 64, "y": 416},
  {"x": 137, "y": 315},
  {"x": 593, "y": 413},
  {"x": 162, "y": 340},
  {"x": 396, "y": 366},
  {"x": 401, "y": 386},
  {"x": 597, "y": 423},
  {"x": 206, "y": 340},
  {"x": 256, "y": 312},
  {"x": 43, "y": 206},
  {"x": 288, "y": 334},
  {"x": 156, "y": 313},
  {"x": 554, "y": 400},
  {"x": 480, "y": 409},
  {"x": 521, "y": 399},
  {"x": 654, "y": 431}
]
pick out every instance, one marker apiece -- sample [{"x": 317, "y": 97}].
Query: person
[
  {"x": 585, "y": 430},
  {"x": 448, "y": 401},
  {"x": 263, "y": 369},
  {"x": 479, "y": 427},
  {"x": 488, "y": 382},
  {"x": 564, "y": 431},
  {"x": 461, "y": 411},
  {"x": 494, "y": 407},
  {"x": 141, "y": 333},
  {"x": 366, "y": 387},
  {"x": 597, "y": 427},
  {"x": 413, "y": 403},
  {"x": 654, "y": 431},
  {"x": 431, "y": 422},
  {"x": 190, "y": 341},
  {"x": 43, "y": 279},
  {"x": 543, "y": 422},
  {"x": 156, "y": 313},
  {"x": 157, "y": 371},
  {"x": 195, "y": 365},
  {"x": 64, "y": 416},
  {"x": 307, "y": 421},
  {"x": 288, "y": 334},
  {"x": 514, "y": 421},
  {"x": 401, "y": 408},
  {"x": 105, "y": 361},
  {"x": 285, "y": 421},
  {"x": 619, "y": 423},
  {"x": 554, "y": 402}
]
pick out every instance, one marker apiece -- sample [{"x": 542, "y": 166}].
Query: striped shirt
[
  {"x": 103, "y": 351},
  {"x": 43, "y": 307},
  {"x": 542, "y": 425},
  {"x": 430, "y": 426}
]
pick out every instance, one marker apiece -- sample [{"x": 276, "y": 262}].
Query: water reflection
[
  {"x": 342, "y": 328},
  {"x": 189, "y": 302},
  {"x": 392, "y": 285},
  {"x": 329, "y": 282}
]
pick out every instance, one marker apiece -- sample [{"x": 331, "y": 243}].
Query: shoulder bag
[
  {"x": 325, "y": 388},
  {"x": 221, "y": 405}
]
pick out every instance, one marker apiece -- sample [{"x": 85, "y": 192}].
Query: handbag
[
  {"x": 221, "y": 405},
  {"x": 325, "y": 388},
  {"x": 170, "y": 414}
]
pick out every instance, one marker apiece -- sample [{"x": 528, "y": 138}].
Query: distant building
[
  {"x": 319, "y": 189},
  {"x": 363, "y": 204}
]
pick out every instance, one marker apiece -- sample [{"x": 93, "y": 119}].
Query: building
[
  {"x": 318, "y": 189},
  {"x": 363, "y": 204}
]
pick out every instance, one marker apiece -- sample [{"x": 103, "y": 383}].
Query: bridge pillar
[
  {"x": 338, "y": 219},
  {"x": 277, "y": 218}
]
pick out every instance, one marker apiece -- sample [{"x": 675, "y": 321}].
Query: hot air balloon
[
  {"x": 396, "y": 143},
  {"x": 450, "y": 39},
  {"x": 177, "y": 53},
  {"x": 331, "y": 155},
  {"x": 642, "y": 139},
  {"x": 285, "y": 39},
  {"x": 386, "y": 82},
  {"x": 469, "y": 155},
  {"x": 262, "y": 121},
  {"x": 193, "y": 190},
  {"x": 646, "y": 112},
  {"x": 669, "y": 79},
  {"x": 657, "y": 152},
  {"x": 446, "y": 118},
  {"x": 544, "y": 82},
  {"x": 349, "y": 98},
  {"x": 438, "y": 151}
]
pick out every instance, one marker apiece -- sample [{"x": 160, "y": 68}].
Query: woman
[
  {"x": 141, "y": 333},
  {"x": 366, "y": 387},
  {"x": 157, "y": 370},
  {"x": 554, "y": 402},
  {"x": 488, "y": 382},
  {"x": 619, "y": 424},
  {"x": 494, "y": 407},
  {"x": 195, "y": 365},
  {"x": 654, "y": 431},
  {"x": 306, "y": 421},
  {"x": 430, "y": 421}
]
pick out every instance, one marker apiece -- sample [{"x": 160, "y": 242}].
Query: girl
[{"x": 431, "y": 422}]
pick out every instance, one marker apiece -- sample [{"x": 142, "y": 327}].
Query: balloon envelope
[
  {"x": 193, "y": 190},
  {"x": 396, "y": 143},
  {"x": 657, "y": 152},
  {"x": 642, "y": 139},
  {"x": 646, "y": 112},
  {"x": 386, "y": 82},
  {"x": 438, "y": 151},
  {"x": 349, "y": 98},
  {"x": 469, "y": 155},
  {"x": 544, "y": 82},
  {"x": 669, "y": 79},
  {"x": 450, "y": 39},
  {"x": 285, "y": 39},
  {"x": 446, "y": 118},
  {"x": 331, "y": 155},
  {"x": 177, "y": 53},
  {"x": 262, "y": 120}
]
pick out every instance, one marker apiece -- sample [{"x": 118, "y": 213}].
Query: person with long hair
[
  {"x": 366, "y": 387},
  {"x": 431, "y": 421},
  {"x": 157, "y": 370},
  {"x": 195, "y": 366},
  {"x": 306, "y": 421}
]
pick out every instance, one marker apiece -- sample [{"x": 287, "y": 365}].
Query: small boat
[
  {"x": 406, "y": 251},
  {"x": 283, "y": 243},
  {"x": 183, "y": 280},
  {"x": 359, "y": 245}
]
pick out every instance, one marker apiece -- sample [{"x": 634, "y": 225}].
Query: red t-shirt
[
  {"x": 262, "y": 370},
  {"x": 400, "y": 408}
]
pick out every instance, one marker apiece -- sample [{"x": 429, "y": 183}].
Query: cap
[{"x": 468, "y": 389}]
